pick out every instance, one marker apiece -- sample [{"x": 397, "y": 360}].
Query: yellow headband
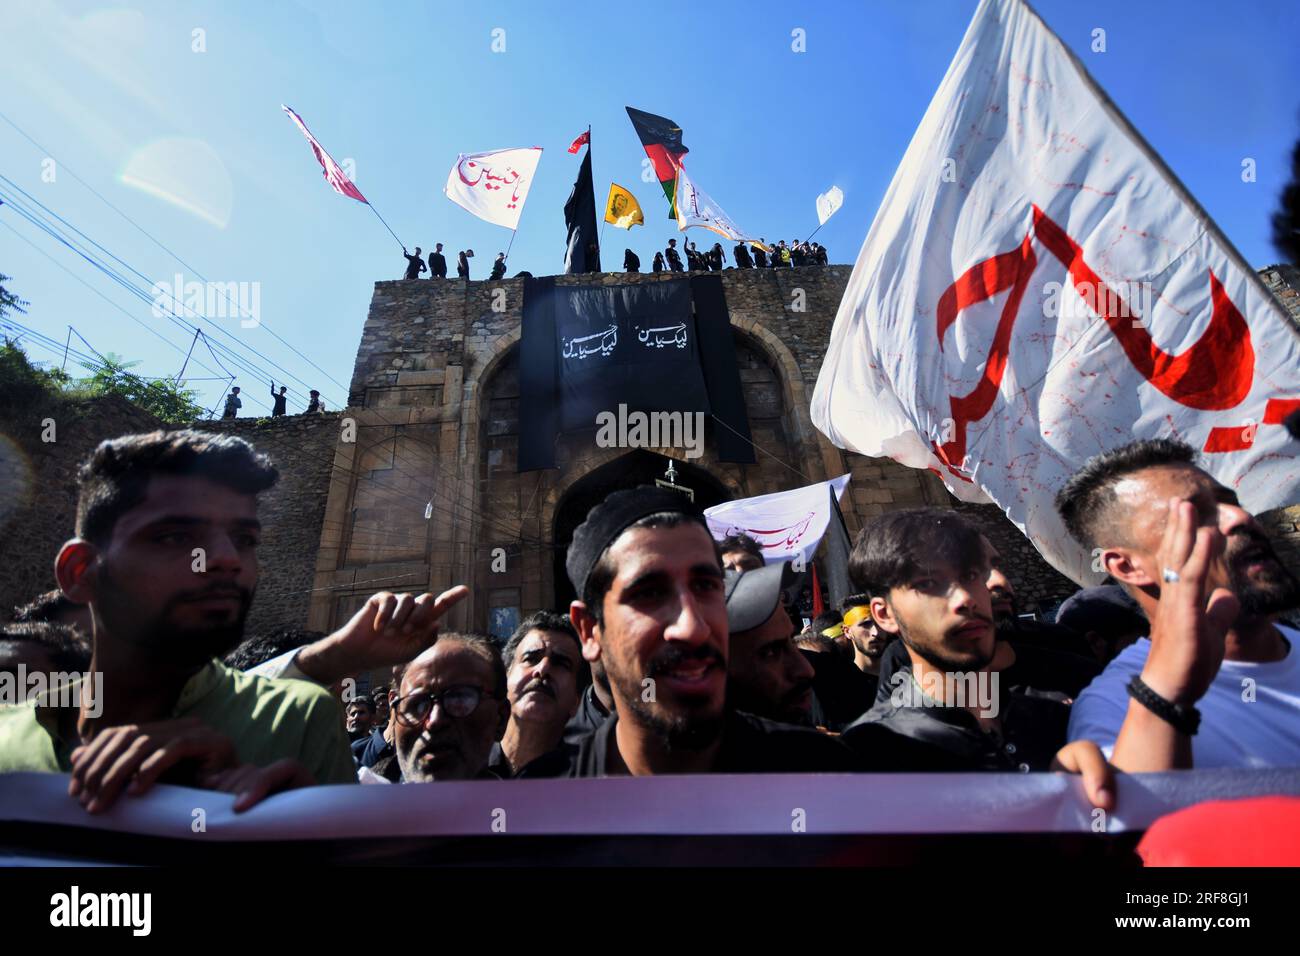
[
  {"x": 835, "y": 630},
  {"x": 855, "y": 614}
]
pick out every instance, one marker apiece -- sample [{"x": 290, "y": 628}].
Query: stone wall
[{"x": 38, "y": 485}]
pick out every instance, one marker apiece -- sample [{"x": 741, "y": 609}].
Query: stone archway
[{"x": 633, "y": 468}]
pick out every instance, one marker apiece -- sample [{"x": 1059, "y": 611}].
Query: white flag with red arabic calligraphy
[
  {"x": 494, "y": 185},
  {"x": 1037, "y": 287},
  {"x": 788, "y": 524},
  {"x": 333, "y": 172},
  {"x": 694, "y": 208}
]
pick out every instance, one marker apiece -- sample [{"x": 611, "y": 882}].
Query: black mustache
[
  {"x": 541, "y": 684},
  {"x": 674, "y": 656},
  {"x": 215, "y": 590},
  {"x": 1248, "y": 543}
]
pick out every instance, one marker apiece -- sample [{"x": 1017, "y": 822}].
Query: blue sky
[{"x": 119, "y": 97}]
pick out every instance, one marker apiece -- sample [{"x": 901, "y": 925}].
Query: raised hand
[
  {"x": 389, "y": 629},
  {"x": 1187, "y": 629}
]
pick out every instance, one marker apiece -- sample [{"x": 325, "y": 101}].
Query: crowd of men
[
  {"x": 679, "y": 654},
  {"x": 758, "y": 255}
]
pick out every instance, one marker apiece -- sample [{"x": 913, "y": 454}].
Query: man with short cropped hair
[
  {"x": 360, "y": 714},
  {"x": 165, "y": 558},
  {"x": 544, "y": 678},
  {"x": 1217, "y": 684},
  {"x": 740, "y": 552}
]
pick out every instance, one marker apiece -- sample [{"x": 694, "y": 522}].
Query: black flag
[{"x": 583, "y": 252}]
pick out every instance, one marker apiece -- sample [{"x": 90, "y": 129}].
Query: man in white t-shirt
[{"x": 1218, "y": 682}]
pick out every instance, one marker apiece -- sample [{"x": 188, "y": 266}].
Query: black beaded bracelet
[{"x": 1186, "y": 720}]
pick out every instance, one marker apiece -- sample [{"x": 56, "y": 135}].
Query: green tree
[
  {"x": 10, "y": 301},
  {"x": 162, "y": 397},
  {"x": 24, "y": 386}
]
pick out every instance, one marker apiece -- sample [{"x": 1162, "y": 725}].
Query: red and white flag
[
  {"x": 334, "y": 174},
  {"x": 1038, "y": 287},
  {"x": 581, "y": 141},
  {"x": 787, "y": 524},
  {"x": 494, "y": 185}
]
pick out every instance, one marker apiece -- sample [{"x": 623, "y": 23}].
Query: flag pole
[
  {"x": 386, "y": 225},
  {"x": 510, "y": 245},
  {"x": 815, "y": 231}
]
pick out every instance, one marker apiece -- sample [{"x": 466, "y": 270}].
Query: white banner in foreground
[
  {"x": 687, "y": 805},
  {"x": 788, "y": 524},
  {"x": 1037, "y": 287},
  {"x": 493, "y": 186}
]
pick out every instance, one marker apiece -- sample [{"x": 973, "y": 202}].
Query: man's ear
[
  {"x": 584, "y": 622},
  {"x": 883, "y": 615},
  {"x": 1126, "y": 567},
  {"x": 75, "y": 570}
]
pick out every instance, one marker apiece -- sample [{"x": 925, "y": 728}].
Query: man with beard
[
  {"x": 653, "y": 610},
  {"x": 767, "y": 675},
  {"x": 926, "y": 571},
  {"x": 1218, "y": 682},
  {"x": 868, "y": 640},
  {"x": 451, "y": 709},
  {"x": 543, "y": 681},
  {"x": 165, "y": 557},
  {"x": 1026, "y": 661}
]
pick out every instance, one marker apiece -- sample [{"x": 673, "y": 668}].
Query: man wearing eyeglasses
[{"x": 451, "y": 709}]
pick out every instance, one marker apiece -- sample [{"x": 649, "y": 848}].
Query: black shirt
[
  {"x": 438, "y": 265},
  {"x": 414, "y": 266},
  {"x": 498, "y": 269},
  {"x": 631, "y": 262},
  {"x": 1032, "y": 730},
  {"x": 1037, "y": 671},
  {"x": 844, "y": 691},
  {"x": 591, "y": 714},
  {"x": 753, "y": 745},
  {"x": 279, "y": 408}
]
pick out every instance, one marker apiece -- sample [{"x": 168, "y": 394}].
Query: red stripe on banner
[
  {"x": 1279, "y": 408},
  {"x": 1214, "y": 373},
  {"x": 1229, "y": 439},
  {"x": 819, "y": 607},
  {"x": 664, "y": 162}
]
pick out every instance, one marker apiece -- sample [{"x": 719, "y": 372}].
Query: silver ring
[{"x": 1171, "y": 576}]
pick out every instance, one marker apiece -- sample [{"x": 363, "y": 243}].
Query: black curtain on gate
[{"x": 653, "y": 347}]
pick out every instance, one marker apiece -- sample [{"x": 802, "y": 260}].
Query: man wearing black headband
[{"x": 653, "y": 610}]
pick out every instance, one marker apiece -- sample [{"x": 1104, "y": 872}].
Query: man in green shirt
[{"x": 165, "y": 558}]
